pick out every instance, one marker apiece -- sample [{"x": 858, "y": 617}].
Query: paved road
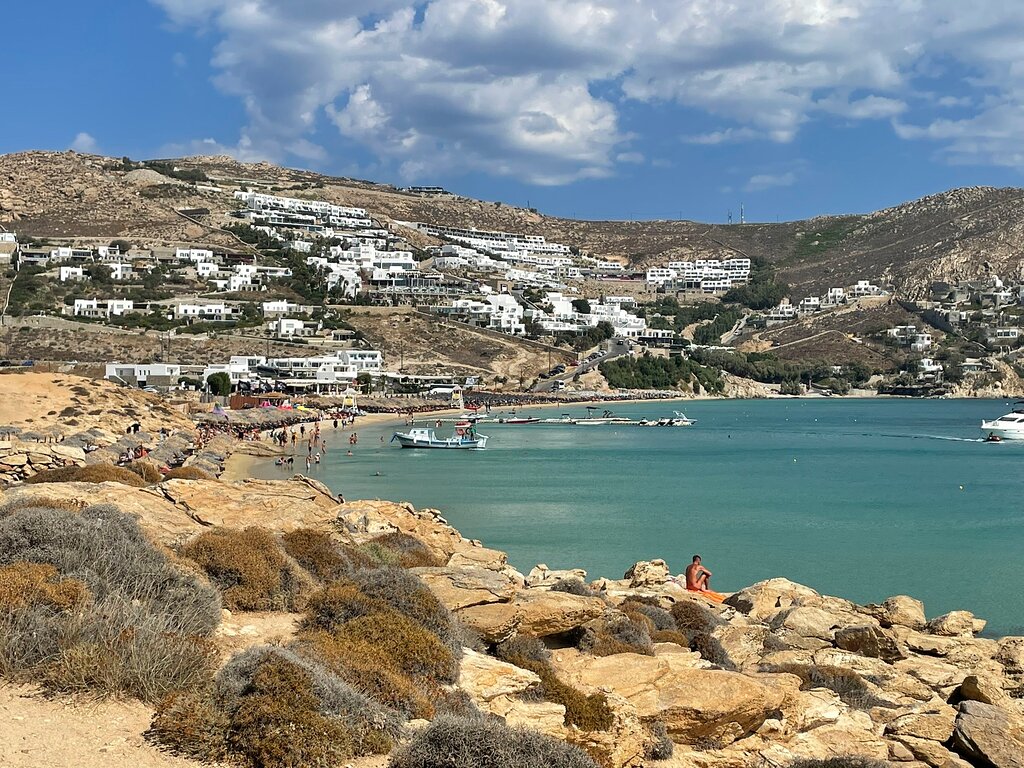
[{"x": 618, "y": 348}]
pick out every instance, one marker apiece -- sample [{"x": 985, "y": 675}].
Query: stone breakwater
[{"x": 781, "y": 671}]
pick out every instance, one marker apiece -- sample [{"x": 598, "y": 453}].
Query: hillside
[{"x": 947, "y": 236}]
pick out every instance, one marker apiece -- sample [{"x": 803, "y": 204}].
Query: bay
[{"x": 857, "y": 498}]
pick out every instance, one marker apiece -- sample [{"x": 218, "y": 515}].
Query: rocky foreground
[{"x": 781, "y": 673}]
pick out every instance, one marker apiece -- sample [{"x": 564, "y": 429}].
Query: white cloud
[
  {"x": 85, "y": 143},
  {"x": 179, "y": 60},
  {"x": 635, "y": 158},
  {"x": 534, "y": 89},
  {"x": 763, "y": 181}
]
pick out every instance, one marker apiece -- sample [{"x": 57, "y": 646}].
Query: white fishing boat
[
  {"x": 465, "y": 438},
  {"x": 679, "y": 420},
  {"x": 1008, "y": 427},
  {"x": 519, "y": 420}
]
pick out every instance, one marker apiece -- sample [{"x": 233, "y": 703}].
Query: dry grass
[
  {"x": 270, "y": 708},
  {"x": 691, "y": 617},
  {"x": 413, "y": 649},
  {"x": 412, "y": 598},
  {"x": 409, "y": 552},
  {"x": 617, "y": 634},
  {"x": 91, "y": 606},
  {"x": 847, "y": 684},
  {"x": 456, "y": 742},
  {"x": 188, "y": 473},
  {"x": 323, "y": 557},
  {"x": 249, "y": 568},
  {"x": 39, "y": 584},
  {"x": 146, "y": 470},
  {"x": 90, "y": 473}
]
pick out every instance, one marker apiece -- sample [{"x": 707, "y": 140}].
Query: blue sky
[{"x": 592, "y": 108}]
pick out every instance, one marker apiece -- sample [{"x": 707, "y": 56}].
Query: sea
[{"x": 860, "y": 498}]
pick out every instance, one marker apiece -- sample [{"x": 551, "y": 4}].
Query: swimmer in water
[{"x": 348, "y": 453}]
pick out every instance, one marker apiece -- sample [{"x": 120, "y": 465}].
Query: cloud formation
[
  {"x": 85, "y": 143},
  {"x": 536, "y": 89}
]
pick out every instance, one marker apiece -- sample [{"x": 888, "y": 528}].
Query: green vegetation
[
  {"x": 163, "y": 167},
  {"x": 589, "y": 338},
  {"x": 581, "y": 305},
  {"x": 763, "y": 291},
  {"x": 648, "y": 372},
  {"x": 711, "y": 333},
  {"x": 766, "y": 367},
  {"x": 219, "y": 383},
  {"x": 87, "y": 604},
  {"x": 819, "y": 241}
]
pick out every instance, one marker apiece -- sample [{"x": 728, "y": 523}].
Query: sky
[{"x": 600, "y": 109}]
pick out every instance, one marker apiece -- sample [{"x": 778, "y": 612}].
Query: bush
[
  {"x": 374, "y": 674},
  {"x": 619, "y": 634},
  {"x": 587, "y": 712},
  {"x": 573, "y": 587},
  {"x": 661, "y": 620},
  {"x": 847, "y": 684},
  {"x": 453, "y": 742},
  {"x": 287, "y": 710},
  {"x": 146, "y": 470},
  {"x": 90, "y": 473},
  {"x": 191, "y": 724},
  {"x": 337, "y": 604},
  {"x": 690, "y": 617},
  {"x": 408, "y": 595},
  {"x": 414, "y": 650},
  {"x": 661, "y": 746},
  {"x": 851, "y": 761},
  {"x": 249, "y": 569},
  {"x": 410, "y": 551},
  {"x": 710, "y": 649},
  {"x": 38, "y": 584},
  {"x": 325, "y": 558},
  {"x": 670, "y": 636},
  {"x": 91, "y": 605},
  {"x": 188, "y": 473}
]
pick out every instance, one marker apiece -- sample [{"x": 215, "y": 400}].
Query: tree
[
  {"x": 219, "y": 383},
  {"x": 100, "y": 273},
  {"x": 365, "y": 382},
  {"x": 122, "y": 245},
  {"x": 582, "y": 306}
]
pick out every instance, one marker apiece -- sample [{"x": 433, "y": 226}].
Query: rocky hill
[{"x": 956, "y": 234}]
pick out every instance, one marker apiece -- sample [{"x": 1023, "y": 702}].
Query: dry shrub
[
  {"x": 90, "y": 473},
  {"x": 191, "y": 724},
  {"x": 142, "y": 634},
  {"x": 146, "y": 470},
  {"x": 851, "y": 761},
  {"x": 587, "y": 712},
  {"x": 338, "y": 603},
  {"x": 845, "y": 683},
  {"x": 710, "y": 649},
  {"x": 414, "y": 650},
  {"x": 39, "y": 584},
  {"x": 573, "y": 586},
  {"x": 617, "y": 634},
  {"x": 485, "y": 743},
  {"x": 323, "y": 557},
  {"x": 410, "y": 552},
  {"x": 248, "y": 567},
  {"x": 271, "y": 708},
  {"x": 187, "y": 473},
  {"x": 41, "y": 502},
  {"x": 661, "y": 620},
  {"x": 369, "y": 671},
  {"x": 661, "y": 746},
  {"x": 690, "y": 617},
  {"x": 670, "y": 636},
  {"x": 411, "y": 597}
]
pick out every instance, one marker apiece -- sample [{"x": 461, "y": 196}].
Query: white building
[
  {"x": 101, "y": 308},
  {"x": 865, "y": 288},
  {"x": 209, "y": 312},
  {"x": 809, "y": 304},
  {"x": 500, "y": 243},
  {"x": 290, "y": 326},
  {"x": 195, "y": 255},
  {"x": 121, "y": 271},
  {"x": 74, "y": 274}
]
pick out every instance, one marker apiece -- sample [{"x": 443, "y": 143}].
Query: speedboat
[
  {"x": 519, "y": 420},
  {"x": 680, "y": 420},
  {"x": 465, "y": 437},
  {"x": 1008, "y": 427}
]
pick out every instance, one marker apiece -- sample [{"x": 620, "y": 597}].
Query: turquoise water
[{"x": 858, "y": 498}]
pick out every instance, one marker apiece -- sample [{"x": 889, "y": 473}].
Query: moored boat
[{"x": 465, "y": 438}]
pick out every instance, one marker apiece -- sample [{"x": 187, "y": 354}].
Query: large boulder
[
  {"x": 988, "y": 735},
  {"x": 935, "y": 725},
  {"x": 986, "y": 689},
  {"x": 1010, "y": 654},
  {"x": 463, "y": 587},
  {"x": 695, "y": 704},
  {"x": 956, "y": 624},
  {"x": 900, "y": 610},
  {"x": 870, "y": 640},
  {"x": 542, "y": 576},
  {"x": 762, "y": 600},
  {"x": 538, "y": 613},
  {"x": 807, "y": 622},
  {"x": 647, "y": 573},
  {"x": 485, "y": 678}
]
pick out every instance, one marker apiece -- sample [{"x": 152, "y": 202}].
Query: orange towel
[{"x": 714, "y": 597}]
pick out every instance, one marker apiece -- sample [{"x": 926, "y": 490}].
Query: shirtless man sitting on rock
[{"x": 698, "y": 578}]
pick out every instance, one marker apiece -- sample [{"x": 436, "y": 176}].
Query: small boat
[
  {"x": 465, "y": 438},
  {"x": 519, "y": 420},
  {"x": 1008, "y": 427}
]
